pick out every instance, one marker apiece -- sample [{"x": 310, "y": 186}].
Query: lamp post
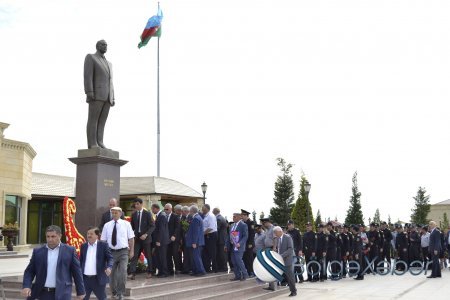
[
  {"x": 204, "y": 188},
  {"x": 307, "y": 189}
]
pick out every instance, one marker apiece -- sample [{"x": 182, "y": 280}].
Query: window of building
[{"x": 12, "y": 211}]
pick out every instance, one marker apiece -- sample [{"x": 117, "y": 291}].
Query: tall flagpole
[{"x": 158, "y": 129}]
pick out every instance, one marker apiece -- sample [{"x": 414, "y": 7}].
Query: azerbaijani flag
[{"x": 153, "y": 28}]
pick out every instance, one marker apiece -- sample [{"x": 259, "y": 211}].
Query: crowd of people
[{"x": 186, "y": 240}]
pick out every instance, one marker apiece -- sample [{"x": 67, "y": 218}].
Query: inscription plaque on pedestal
[{"x": 97, "y": 180}]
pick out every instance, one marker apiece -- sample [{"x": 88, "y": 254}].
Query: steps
[{"x": 212, "y": 286}]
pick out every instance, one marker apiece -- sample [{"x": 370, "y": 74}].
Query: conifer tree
[
  {"x": 302, "y": 212},
  {"x": 422, "y": 207},
  {"x": 376, "y": 217},
  {"x": 283, "y": 194},
  {"x": 354, "y": 213},
  {"x": 318, "y": 220}
]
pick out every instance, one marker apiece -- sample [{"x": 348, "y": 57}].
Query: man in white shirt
[
  {"x": 424, "y": 243},
  {"x": 96, "y": 264},
  {"x": 120, "y": 238},
  {"x": 209, "y": 255}
]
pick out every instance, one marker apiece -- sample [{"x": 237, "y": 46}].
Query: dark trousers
[
  {"x": 323, "y": 266},
  {"x": 414, "y": 253},
  {"x": 373, "y": 253},
  {"x": 172, "y": 257},
  {"x": 98, "y": 113},
  {"x": 187, "y": 260},
  {"x": 44, "y": 295},
  {"x": 386, "y": 254},
  {"x": 312, "y": 267},
  {"x": 425, "y": 256},
  {"x": 91, "y": 285},
  {"x": 331, "y": 256},
  {"x": 140, "y": 246},
  {"x": 161, "y": 259},
  {"x": 209, "y": 252},
  {"x": 248, "y": 260},
  {"x": 403, "y": 256},
  {"x": 196, "y": 260},
  {"x": 221, "y": 257},
  {"x": 290, "y": 278},
  {"x": 436, "y": 266}
]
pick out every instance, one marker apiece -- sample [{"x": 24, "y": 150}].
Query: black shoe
[
  {"x": 200, "y": 274},
  {"x": 268, "y": 289},
  {"x": 161, "y": 276},
  {"x": 235, "y": 279},
  {"x": 359, "y": 278},
  {"x": 431, "y": 276},
  {"x": 293, "y": 294},
  {"x": 243, "y": 279}
]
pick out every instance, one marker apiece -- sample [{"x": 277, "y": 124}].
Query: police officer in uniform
[
  {"x": 401, "y": 244},
  {"x": 374, "y": 239},
  {"x": 345, "y": 248},
  {"x": 332, "y": 250},
  {"x": 310, "y": 250},
  {"x": 322, "y": 246},
  {"x": 387, "y": 238},
  {"x": 248, "y": 254},
  {"x": 414, "y": 244},
  {"x": 357, "y": 250}
]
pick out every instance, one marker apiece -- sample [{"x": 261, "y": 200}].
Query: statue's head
[{"x": 101, "y": 46}]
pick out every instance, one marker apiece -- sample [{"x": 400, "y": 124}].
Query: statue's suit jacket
[{"x": 98, "y": 78}]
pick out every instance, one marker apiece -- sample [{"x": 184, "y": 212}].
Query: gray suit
[
  {"x": 97, "y": 82},
  {"x": 286, "y": 250},
  {"x": 98, "y": 78}
]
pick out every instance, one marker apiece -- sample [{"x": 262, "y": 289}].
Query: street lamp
[
  {"x": 307, "y": 189},
  {"x": 204, "y": 188}
]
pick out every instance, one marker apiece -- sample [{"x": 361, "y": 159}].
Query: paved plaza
[
  {"x": 406, "y": 287},
  {"x": 373, "y": 287}
]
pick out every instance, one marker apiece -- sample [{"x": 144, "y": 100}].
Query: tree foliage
[
  {"x": 422, "y": 207},
  {"x": 283, "y": 194},
  {"x": 302, "y": 212},
  {"x": 354, "y": 212},
  {"x": 318, "y": 220},
  {"x": 376, "y": 217},
  {"x": 445, "y": 223}
]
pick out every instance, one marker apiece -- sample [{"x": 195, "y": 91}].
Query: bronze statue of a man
[{"x": 99, "y": 91}]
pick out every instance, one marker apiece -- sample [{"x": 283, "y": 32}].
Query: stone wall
[{"x": 16, "y": 162}]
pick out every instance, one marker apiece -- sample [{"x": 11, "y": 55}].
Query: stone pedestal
[{"x": 97, "y": 181}]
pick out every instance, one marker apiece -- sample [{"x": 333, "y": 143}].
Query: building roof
[
  {"x": 52, "y": 185},
  {"x": 445, "y": 202},
  {"x": 55, "y": 185}
]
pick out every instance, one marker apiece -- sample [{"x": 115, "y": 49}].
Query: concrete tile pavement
[
  {"x": 405, "y": 287},
  {"x": 14, "y": 266}
]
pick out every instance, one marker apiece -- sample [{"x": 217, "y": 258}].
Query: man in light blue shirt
[{"x": 52, "y": 267}]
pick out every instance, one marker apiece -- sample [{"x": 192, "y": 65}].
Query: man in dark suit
[
  {"x": 99, "y": 91},
  {"x": 237, "y": 241},
  {"x": 435, "y": 248},
  {"x": 96, "y": 264},
  {"x": 107, "y": 216},
  {"x": 222, "y": 226},
  {"x": 173, "y": 222},
  {"x": 143, "y": 227},
  {"x": 52, "y": 267},
  {"x": 285, "y": 247},
  {"x": 161, "y": 239},
  {"x": 185, "y": 220},
  {"x": 195, "y": 240}
]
